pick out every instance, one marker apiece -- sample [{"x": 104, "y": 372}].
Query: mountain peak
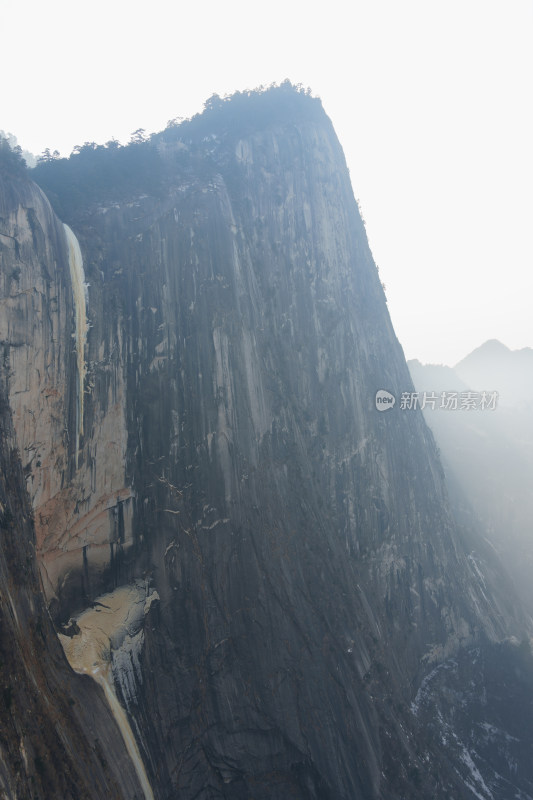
[
  {"x": 490, "y": 349},
  {"x": 495, "y": 366}
]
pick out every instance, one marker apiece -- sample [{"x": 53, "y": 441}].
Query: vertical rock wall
[
  {"x": 308, "y": 567},
  {"x": 76, "y": 482},
  {"x": 309, "y": 573},
  {"x": 58, "y": 738}
]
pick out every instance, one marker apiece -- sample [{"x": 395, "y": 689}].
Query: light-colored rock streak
[
  {"x": 115, "y": 618},
  {"x": 125, "y": 729},
  {"x": 79, "y": 292}
]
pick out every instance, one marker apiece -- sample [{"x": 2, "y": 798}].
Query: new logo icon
[{"x": 384, "y": 400}]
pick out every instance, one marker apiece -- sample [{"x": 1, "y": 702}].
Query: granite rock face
[
  {"x": 58, "y": 738},
  {"x": 309, "y": 575},
  {"x": 77, "y": 502}
]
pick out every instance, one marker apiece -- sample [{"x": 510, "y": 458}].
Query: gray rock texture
[
  {"x": 57, "y": 736},
  {"x": 309, "y": 574}
]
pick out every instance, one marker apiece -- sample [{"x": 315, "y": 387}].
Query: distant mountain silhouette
[
  {"x": 436, "y": 377},
  {"x": 494, "y": 366},
  {"x": 488, "y": 455}
]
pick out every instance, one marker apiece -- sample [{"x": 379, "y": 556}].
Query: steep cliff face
[
  {"x": 309, "y": 576},
  {"x": 58, "y": 738},
  {"x": 76, "y": 483}
]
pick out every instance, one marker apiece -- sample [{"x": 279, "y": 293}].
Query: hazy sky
[{"x": 432, "y": 102}]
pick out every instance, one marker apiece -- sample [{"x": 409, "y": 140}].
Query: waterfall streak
[
  {"x": 104, "y": 679},
  {"x": 113, "y": 616},
  {"x": 79, "y": 293}
]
